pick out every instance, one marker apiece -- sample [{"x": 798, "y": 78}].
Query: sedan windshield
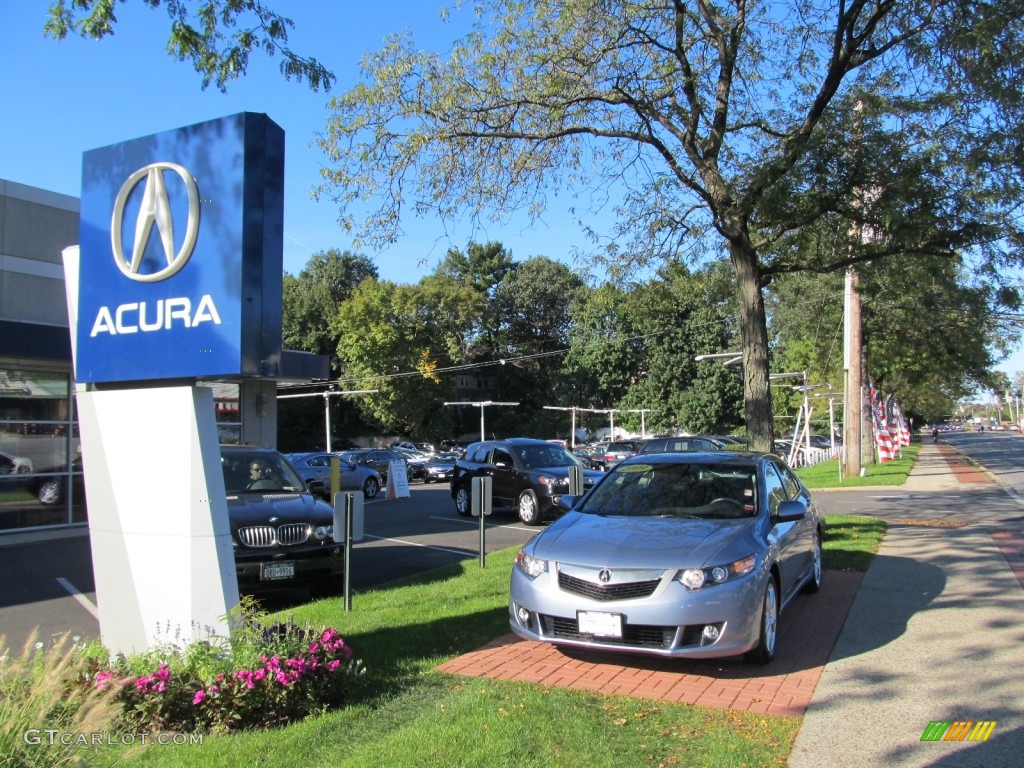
[
  {"x": 543, "y": 456},
  {"x": 711, "y": 491}
]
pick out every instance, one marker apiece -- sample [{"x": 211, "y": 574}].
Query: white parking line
[
  {"x": 476, "y": 523},
  {"x": 460, "y": 552},
  {"x": 84, "y": 601}
]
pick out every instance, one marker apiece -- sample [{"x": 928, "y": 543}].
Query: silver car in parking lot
[
  {"x": 673, "y": 554},
  {"x": 315, "y": 468}
]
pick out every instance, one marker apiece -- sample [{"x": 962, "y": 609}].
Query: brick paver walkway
[
  {"x": 808, "y": 629},
  {"x": 963, "y": 469}
]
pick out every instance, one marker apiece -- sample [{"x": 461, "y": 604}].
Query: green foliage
[
  {"x": 201, "y": 36},
  {"x": 312, "y": 299},
  {"x": 262, "y": 675}
]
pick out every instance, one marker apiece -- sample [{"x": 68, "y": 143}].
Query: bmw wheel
[
  {"x": 371, "y": 487},
  {"x": 529, "y": 511},
  {"x": 814, "y": 584},
  {"x": 462, "y": 501},
  {"x": 767, "y": 645}
]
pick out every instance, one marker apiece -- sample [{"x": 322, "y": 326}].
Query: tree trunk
[{"x": 757, "y": 400}]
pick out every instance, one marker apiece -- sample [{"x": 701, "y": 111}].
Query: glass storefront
[
  {"x": 41, "y": 481},
  {"x": 40, "y": 455}
]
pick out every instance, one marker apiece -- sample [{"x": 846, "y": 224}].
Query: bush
[{"x": 261, "y": 676}]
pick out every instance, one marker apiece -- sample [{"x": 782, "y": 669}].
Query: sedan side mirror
[
  {"x": 790, "y": 511},
  {"x": 565, "y": 503}
]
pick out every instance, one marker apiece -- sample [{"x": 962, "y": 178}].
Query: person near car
[{"x": 261, "y": 477}]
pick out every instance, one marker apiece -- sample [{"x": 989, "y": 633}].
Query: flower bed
[{"x": 261, "y": 676}]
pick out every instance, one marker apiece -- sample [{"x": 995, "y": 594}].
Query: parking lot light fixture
[{"x": 483, "y": 404}]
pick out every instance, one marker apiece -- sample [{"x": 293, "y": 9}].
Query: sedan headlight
[
  {"x": 697, "y": 578},
  {"x": 555, "y": 482},
  {"x": 324, "y": 532},
  {"x": 531, "y": 566}
]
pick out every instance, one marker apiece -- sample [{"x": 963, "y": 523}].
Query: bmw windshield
[
  {"x": 684, "y": 490},
  {"x": 258, "y": 472}
]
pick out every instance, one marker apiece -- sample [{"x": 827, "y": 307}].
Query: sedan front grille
[
  {"x": 634, "y": 635},
  {"x": 633, "y": 590},
  {"x": 268, "y": 536}
]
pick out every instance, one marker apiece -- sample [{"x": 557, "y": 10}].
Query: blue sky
[{"x": 61, "y": 99}]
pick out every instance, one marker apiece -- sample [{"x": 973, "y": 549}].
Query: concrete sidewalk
[{"x": 935, "y": 633}]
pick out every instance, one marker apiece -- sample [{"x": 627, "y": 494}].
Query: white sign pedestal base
[{"x": 158, "y": 521}]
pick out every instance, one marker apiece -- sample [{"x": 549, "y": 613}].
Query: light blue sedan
[{"x": 675, "y": 554}]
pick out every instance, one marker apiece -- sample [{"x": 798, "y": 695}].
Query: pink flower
[
  {"x": 198, "y": 698},
  {"x": 102, "y": 678},
  {"x": 333, "y": 665}
]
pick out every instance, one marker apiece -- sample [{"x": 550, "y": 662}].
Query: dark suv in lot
[
  {"x": 529, "y": 476},
  {"x": 282, "y": 534}
]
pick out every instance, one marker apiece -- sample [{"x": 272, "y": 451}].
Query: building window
[
  {"x": 40, "y": 453},
  {"x": 227, "y": 407}
]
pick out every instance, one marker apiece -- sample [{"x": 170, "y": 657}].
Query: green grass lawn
[
  {"x": 404, "y": 713},
  {"x": 827, "y": 473}
]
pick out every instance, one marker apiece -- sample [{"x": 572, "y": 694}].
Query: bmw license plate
[
  {"x": 599, "y": 623},
  {"x": 276, "y": 571}
]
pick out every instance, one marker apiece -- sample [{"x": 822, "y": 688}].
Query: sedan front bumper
[{"x": 663, "y": 618}]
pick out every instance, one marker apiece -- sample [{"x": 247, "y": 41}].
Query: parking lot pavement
[{"x": 46, "y": 579}]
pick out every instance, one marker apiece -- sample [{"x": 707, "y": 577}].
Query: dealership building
[{"x": 40, "y": 453}]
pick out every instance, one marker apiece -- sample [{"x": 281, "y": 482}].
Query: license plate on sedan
[
  {"x": 277, "y": 571},
  {"x": 599, "y": 623}
]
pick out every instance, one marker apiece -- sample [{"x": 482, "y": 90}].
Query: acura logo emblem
[
  {"x": 155, "y": 210},
  {"x": 604, "y": 575}
]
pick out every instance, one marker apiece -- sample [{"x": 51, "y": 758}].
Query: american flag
[
  {"x": 898, "y": 429},
  {"x": 880, "y": 426}
]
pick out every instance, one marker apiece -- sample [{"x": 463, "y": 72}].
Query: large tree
[{"x": 742, "y": 119}]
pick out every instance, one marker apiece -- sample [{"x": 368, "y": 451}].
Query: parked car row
[{"x": 690, "y": 554}]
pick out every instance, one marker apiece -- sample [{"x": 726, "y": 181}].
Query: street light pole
[
  {"x": 327, "y": 405},
  {"x": 482, "y": 404}
]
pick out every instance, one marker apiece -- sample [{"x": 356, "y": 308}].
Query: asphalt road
[
  {"x": 48, "y": 586},
  {"x": 1001, "y": 453}
]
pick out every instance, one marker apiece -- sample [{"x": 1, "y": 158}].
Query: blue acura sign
[{"x": 181, "y": 254}]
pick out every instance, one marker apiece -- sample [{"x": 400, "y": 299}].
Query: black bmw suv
[
  {"x": 283, "y": 535},
  {"x": 527, "y": 475}
]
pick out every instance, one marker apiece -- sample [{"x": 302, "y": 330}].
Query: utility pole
[{"x": 852, "y": 343}]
